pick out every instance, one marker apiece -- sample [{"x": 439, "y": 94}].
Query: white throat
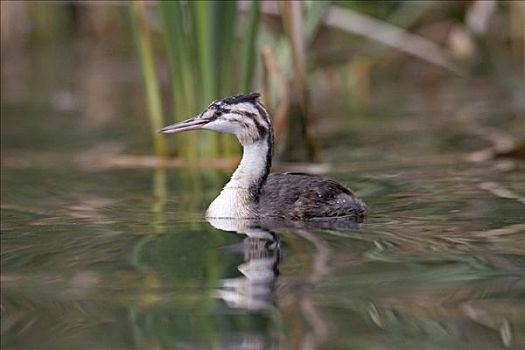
[{"x": 236, "y": 198}]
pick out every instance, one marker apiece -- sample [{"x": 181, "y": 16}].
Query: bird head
[{"x": 241, "y": 115}]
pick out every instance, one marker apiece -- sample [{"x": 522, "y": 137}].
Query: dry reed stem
[
  {"x": 271, "y": 70},
  {"x": 479, "y": 14},
  {"x": 383, "y": 32},
  {"x": 375, "y": 29},
  {"x": 133, "y": 161}
]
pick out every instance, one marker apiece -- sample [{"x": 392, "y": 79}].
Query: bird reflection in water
[
  {"x": 261, "y": 249},
  {"x": 259, "y": 289}
]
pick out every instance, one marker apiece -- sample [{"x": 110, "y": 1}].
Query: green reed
[
  {"x": 141, "y": 34},
  {"x": 202, "y": 49}
]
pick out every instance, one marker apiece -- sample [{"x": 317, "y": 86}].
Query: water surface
[{"x": 96, "y": 256}]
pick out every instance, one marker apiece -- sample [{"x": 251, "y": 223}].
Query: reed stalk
[
  {"x": 225, "y": 25},
  {"x": 142, "y": 39},
  {"x": 179, "y": 54},
  {"x": 294, "y": 28},
  {"x": 248, "y": 41}
]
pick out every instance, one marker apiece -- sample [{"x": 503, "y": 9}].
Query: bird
[{"x": 252, "y": 191}]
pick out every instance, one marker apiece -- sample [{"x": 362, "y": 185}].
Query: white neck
[
  {"x": 236, "y": 200},
  {"x": 251, "y": 168}
]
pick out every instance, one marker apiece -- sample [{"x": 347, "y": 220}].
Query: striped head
[{"x": 241, "y": 115}]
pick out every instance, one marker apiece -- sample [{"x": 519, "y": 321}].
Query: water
[{"x": 97, "y": 256}]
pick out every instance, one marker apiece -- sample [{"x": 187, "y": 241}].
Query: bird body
[
  {"x": 252, "y": 191},
  {"x": 303, "y": 196}
]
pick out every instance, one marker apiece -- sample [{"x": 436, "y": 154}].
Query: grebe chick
[{"x": 254, "y": 193}]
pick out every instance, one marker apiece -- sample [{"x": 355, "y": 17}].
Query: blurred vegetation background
[
  {"x": 329, "y": 72},
  {"x": 303, "y": 57}
]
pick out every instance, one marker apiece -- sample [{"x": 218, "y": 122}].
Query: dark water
[{"x": 96, "y": 256}]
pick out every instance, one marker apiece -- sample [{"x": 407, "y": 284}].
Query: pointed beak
[{"x": 189, "y": 124}]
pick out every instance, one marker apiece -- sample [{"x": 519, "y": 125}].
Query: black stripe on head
[
  {"x": 263, "y": 113},
  {"x": 251, "y": 97},
  {"x": 220, "y": 109},
  {"x": 266, "y": 116},
  {"x": 263, "y": 131}
]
